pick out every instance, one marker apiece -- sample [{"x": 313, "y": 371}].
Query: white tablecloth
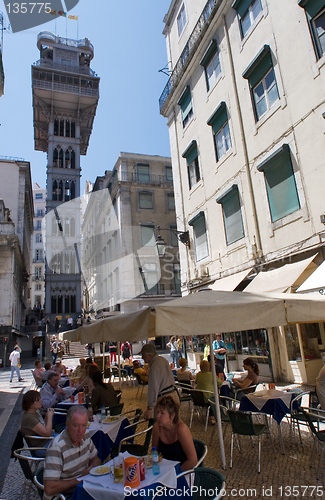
[
  {"x": 259, "y": 398},
  {"x": 111, "y": 429},
  {"x": 103, "y": 487}
]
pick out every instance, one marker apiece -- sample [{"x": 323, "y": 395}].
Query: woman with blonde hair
[{"x": 171, "y": 436}]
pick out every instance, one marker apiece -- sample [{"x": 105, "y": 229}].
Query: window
[
  {"x": 200, "y": 236},
  {"x": 192, "y": 161},
  {"x": 232, "y": 216},
  {"x": 39, "y": 212},
  {"x": 262, "y": 81},
  {"x": 38, "y": 225},
  {"x": 38, "y": 287},
  {"x": 145, "y": 201},
  {"x": 148, "y": 235},
  {"x": 185, "y": 102},
  {"x": 221, "y": 131},
  {"x": 38, "y": 272},
  {"x": 280, "y": 183},
  {"x": 170, "y": 202},
  {"x": 315, "y": 12},
  {"x": 181, "y": 20},
  {"x": 211, "y": 63},
  {"x": 143, "y": 173},
  {"x": 38, "y": 238},
  {"x": 173, "y": 236},
  {"x": 39, "y": 255},
  {"x": 169, "y": 173},
  {"x": 151, "y": 276},
  {"x": 38, "y": 196},
  {"x": 248, "y": 11}
]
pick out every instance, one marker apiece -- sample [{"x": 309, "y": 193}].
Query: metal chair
[
  {"x": 200, "y": 483},
  {"x": 59, "y": 420},
  {"x": 296, "y": 416},
  {"x": 242, "y": 424},
  {"x": 141, "y": 383},
  {"x": 41, "y": 450},
  {"x": 319, "y": 436},
  {"x": 200, "y": 405},
  {"x": 38, "y": 481},
  {"x": 134, "y": 448},
  {"x": 184, "y": 391},
  {"x": 223, "y": 413},
  {"x": 201, "y": 452},
  {"x": 114, "y": 410},
  {"x": 239, "y": 393},
  {"x": 115, "y": 373},
  {"x": 28, "y": 463}
]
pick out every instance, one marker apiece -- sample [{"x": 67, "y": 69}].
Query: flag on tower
[
  {"x": 74, "y": 18},
  {"x": 61, "y": 13},
  {"x": 53, "y": 12}
]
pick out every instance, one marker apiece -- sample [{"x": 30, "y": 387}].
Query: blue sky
[{"x": 129, "y": 50}]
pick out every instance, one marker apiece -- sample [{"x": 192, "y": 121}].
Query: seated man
[
  {"x": 142, "y": 372},
  {"x": 51, "y": 392},
  {"x": 80, "y": 370},
  {"x": 71, "y": 455},
  {"x": 45, "y": 374},
  {"x": 38, "y": 373}
]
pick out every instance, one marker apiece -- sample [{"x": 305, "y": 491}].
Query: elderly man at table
[
  {"x": 80, "y": 370},
  {"x": 141, "y": 371},
  {"x": 71, "y": 455},
  {"x": 160, "y": 378},
  {"x": 51, "y": 392}
]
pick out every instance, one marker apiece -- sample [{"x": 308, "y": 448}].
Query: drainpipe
[{"x": 257, "y": 236}]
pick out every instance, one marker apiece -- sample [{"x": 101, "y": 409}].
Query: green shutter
[
  {"x": 232, "y": 216},
  {"x": 185, "y": 102},
  {"x": 190, "y": 153},
  {"x": 259, "y": 66},
  {"x": 241, "y": 6},
  {"x": 312, "y": 6},
  {"x": 209, "y": 53},
  {"x": 280, "y": 184},
  {"x": 219, "y": 117}
]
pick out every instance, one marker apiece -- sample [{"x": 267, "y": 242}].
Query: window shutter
[
  {"x": 312, "y": 6},
  {"x": 147, "y": 235},
  {"x": 185, "y": 102},
  {"x": 232, "y": 216},
  {"x": 219, "y": 117},
  {"x": 190, "y": 153},
  {"x": 241, "y": 6},
  {"x": 200, "y": 236},
  {"x": 280, "y": 184},
  {"x": 209, "y": 53},
  {"x": 259, "y": 66}
]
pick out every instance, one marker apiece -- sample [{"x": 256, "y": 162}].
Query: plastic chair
[
  {"x": 38, "y": 481},
  {"x": 319, "y": 436},
  {"x": 201, "y": 452},
  {"x": 28, "y": 463},
  {"x": 141, "y": 383},
  {"x": 201, "y": 483},
  {"x": 134, "y": 448},
  {"x": 243, "y": 425},
  {"x": 200, "y": 405}
]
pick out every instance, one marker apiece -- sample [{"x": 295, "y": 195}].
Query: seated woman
[
  {"x": 32, "y": 423},
  {"x": 102, "y": 394},
  {"x": 249, "y": 381},
  {"x": 171, "y": 436},
  {"x": 87, "y": 378},
  {"x": 183, "y": 374},
  {"x": 38, "y": 372},
  {"x": 204, "y": 382}
]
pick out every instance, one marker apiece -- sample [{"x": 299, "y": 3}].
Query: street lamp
[{"x": 183, "y": 236}]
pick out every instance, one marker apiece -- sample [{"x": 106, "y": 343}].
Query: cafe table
[
  {"x": 106, "y": 436},
  {"x": 102, "y": 487},
  {"x": 271, "y": 401}
]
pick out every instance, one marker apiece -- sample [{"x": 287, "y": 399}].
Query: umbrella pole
[
  {"x": 216, "y": 399},
  {"x": 119, "y": 363},
  {"x": 103, "y": 358}
]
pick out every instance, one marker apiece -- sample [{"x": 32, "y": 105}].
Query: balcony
[
  {"x": 39, "y": 260},
  {"x": 63, "y": 87},
  {"x": 49, "y": 36},
  {"x": 49, "y": 64},
  {"x": 188, "y": 52},
  {"x": 41, "y": 277}
]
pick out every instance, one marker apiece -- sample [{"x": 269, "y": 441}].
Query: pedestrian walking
[
  {"x": 14, "y": 359},
  {"x": 173, "y": 346}
]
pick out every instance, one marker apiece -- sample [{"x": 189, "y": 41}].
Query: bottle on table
[
  {"x": 102, "y": 413},
  {"x": 108, "y": 413},
  {"x": 155, "y": 461}
]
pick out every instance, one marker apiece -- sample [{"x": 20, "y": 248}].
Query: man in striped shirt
[{"x": 71, "y": 455}]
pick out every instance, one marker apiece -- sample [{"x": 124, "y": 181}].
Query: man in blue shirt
[{"x": 219, "y": 349}]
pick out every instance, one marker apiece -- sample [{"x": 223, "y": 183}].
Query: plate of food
[
  {"x": 100, "y": 470},
  {"x": 109, "y": 420}
]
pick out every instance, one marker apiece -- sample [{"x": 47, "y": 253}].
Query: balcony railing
[
  {"x": 67, "y": 89},
  {"x": 131, "y": 177},
  {"x": 39, "y": 260},
  {"x": 48, "y": 35},
  {"x": 48, "y": 63},
  {"x": 189, "y": 50},
  {"x": 38, "y": 278}
]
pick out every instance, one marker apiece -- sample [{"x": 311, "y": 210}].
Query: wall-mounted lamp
[
  {"x": 322, "y": 218},
  {"x": 183, "y": 236}
]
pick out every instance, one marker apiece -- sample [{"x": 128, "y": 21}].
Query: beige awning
[
  {"x": 282, "y": 278},
  {"x": 315, "y": 282},
  {"x": 229, "y": 283}
]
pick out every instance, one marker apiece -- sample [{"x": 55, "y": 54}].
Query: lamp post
[{"x": 183, "y": 237}]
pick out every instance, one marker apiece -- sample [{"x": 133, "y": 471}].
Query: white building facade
[
  {"x": 37, "y": 249},
  {"x": 245, "y": 109}
]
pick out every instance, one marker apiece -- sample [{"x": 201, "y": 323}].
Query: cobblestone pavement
[{"x": 282, "y": 476}]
